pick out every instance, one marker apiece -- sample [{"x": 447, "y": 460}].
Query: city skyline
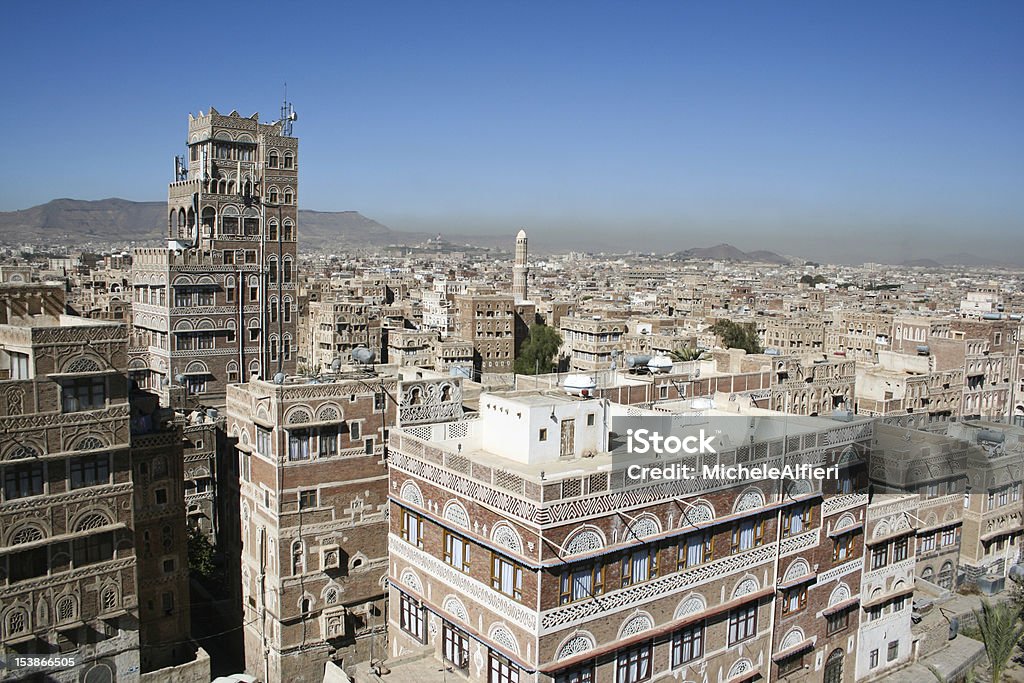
[{"x": 676, "y": 126}]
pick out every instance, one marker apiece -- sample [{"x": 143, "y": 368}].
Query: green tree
[
  {"x": 1001, "y": 630},
  {"x": 200, "y": 553},
  {"x": 537, "y": 353},
  {"x": 738, "y": 335},
  {"x": 686, "y": 353}
]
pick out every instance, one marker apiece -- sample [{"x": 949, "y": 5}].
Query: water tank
[
  {"x": 579, "y": 385},
  {"x": 211, "y": 413},
  {"x": 660, "y": 364},
  {"x": 637, "y": 362},
  {"x": 991, "y": 436},
  {"x": 363, "y": 355},
  {"x": 702, "y": 404}
]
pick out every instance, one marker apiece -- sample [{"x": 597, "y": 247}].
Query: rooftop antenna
[{"x": 288, "y": 115}]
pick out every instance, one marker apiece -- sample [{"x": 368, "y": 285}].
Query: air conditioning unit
[{"x": 330, "y": 557}]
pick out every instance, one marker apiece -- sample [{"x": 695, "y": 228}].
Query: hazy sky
[{"x": 676, "y": 124}]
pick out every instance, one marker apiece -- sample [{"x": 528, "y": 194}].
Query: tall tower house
[
  {"x": 520, "y": 270},
  {"x": 218, "y": 304}
]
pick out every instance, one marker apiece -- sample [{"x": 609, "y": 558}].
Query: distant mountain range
[
  {"x": 727, "y": 252},
  {"x": 121, "y": 220}
]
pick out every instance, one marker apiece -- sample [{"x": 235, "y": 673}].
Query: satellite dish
[{"x": 279, "y": 378}]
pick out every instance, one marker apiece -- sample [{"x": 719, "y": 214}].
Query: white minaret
[{"x": 520, "y": 270}]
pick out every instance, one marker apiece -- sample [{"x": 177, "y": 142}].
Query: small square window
[
  {"x": 161, "y": 496},
  {"x": 308, "y": 499},
  {"x": 543, "y": 435},
  {"x": 169, "y": 566},
  {"x": 590, "y": 419}
]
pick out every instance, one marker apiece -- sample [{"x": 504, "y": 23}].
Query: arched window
[
  {"x": 286, "y": 270},
  {"x": 946, "y": 576},
  {"x": 288, "y": 196},
  {"x": 272, "y": 229},
  {"x": 65, "y": 609},
  {"x": 306, "y": 605},
  {"x": 272, "y": 269},
  {"x": 17, "y": 622},
  {"x": 288, "y": 234},
  {"x": 232, "y": 369},
  {"x": 286, "y": 312},
  {"x": 287, "y": 347},
  {"x": 229, "y": 289},
  {"x": 229, "y": 222},
  {"x": 209, "y": 218},
  {"x": 298, "y": 559},
  {"x": 108, "y": 599},
  {"x": 272, "y": 159},
  {"x": 254, "y": 330},
  {"x": 289, "y": 160},
  {"x": 834, "y": 667},
  {"x": 274, "y": 308},
  {"x": 273, "y": 347},
  {"x": 272, "y": 195},
  {"x": 254, "y": 288}
]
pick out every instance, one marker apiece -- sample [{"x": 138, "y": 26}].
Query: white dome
[{"x": 521, "y": 235}]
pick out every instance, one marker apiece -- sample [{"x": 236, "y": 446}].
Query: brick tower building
[{"x": 218, "y": 304}]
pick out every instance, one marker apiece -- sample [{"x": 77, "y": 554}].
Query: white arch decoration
[
  {"x": 840, "y": 593},
  {"x": 845, "y": 521},
  {"x": 741, "y": 666},
  {"x": 643, "y": 526},
  {"x": 691, "y": 604},
  {"x": 454, "y": 607},
  {"x": 796, "y": 569},
  {"x": 411, "y": 493},
  {"x": 638, "y": 623},
  {"x": 745, "y": 586},
  {"x": 749, "y": 500},
  {"x": 699, "y": 513},
  {"x": 584, "y": 540},
  {"x": 578, "y": 643},
  {"x": 410, "y": 579},
  {"x": 455, "y": 513},
  {"x": 504, "y": 535},
  {"x": 793, "y": 637},
  {"x": 502, "y": 636}
]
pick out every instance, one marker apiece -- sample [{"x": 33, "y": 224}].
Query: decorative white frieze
[
  {"x": 633, "y": 596},
  {"x": 841, "y": 570},
  {"x": 795, "y": 544},
  {"x": 475, "y": 590},
  {"x": 836, "y": 504}
]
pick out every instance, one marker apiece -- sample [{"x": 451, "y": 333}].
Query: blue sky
[{"x": 672, "y": 123}]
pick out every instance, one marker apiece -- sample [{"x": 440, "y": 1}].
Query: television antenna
[{"x": 288, "y": 115}]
